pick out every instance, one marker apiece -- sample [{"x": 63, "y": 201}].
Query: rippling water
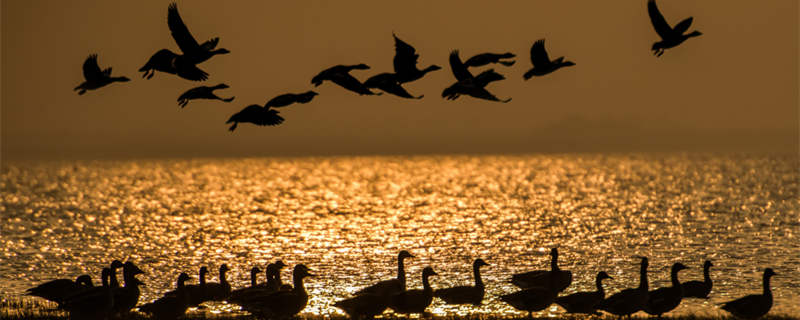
[{"x": 346, "y": 218}]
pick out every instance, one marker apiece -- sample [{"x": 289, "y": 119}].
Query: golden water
[{"x": 346, "y": 218}]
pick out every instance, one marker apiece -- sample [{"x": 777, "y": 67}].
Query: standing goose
[
  {"x": 219, "y": 291},
  {"x": 170, "y": 62},
  {"x": 290, "y": 98},
  {"x": 193, "y": 51},
  {"x": 170, "y": 306},
  {"x": 58, "y": 290},
  {"x": 670, "y": 37},
  {"x": 236, "y": 294},
  {"x": 628, "y": 301},
  {"x": 112, "y": 279},
  {"x": 533, "y": 298},
  {"x": 585, "y": 302},
  {"x": 390, "y": 287},
  {"x": 487, "y": 58},
  {"x": 93, "y": 303},
  {"x": 255, "y": 114},
  {"x": 202, "y": 92},
  {"x": 282, "y": 304},
  {"x": 340, "y": 75},
  {"x": 414, "y": 301},
  {"x": 195, "y": 293},
  {"x": 699, "y": 289},
  {"x": 466, "y": 294},
  {"x": 755, "y": 305},
  {"x": 95, "y": 78},
  {"x": 541, "y": 278},
  {"x": 468, "y": 84},
  {"x": 541, "y": 61},
  {"x": 389, "y": 83},
  {"x": 125, "y": 298},
  {"x": 405, "y": 62},
  {"x": 663, "y": 300}
]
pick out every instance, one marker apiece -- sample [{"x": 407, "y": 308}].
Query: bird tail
[
  {"x": 233, "y": 127},
  {"x": 228, "y": 99},
  {"x": 508, "y": 63}
]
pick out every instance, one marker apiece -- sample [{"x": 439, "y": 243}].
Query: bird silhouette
[
  {"x": 192, "y": 50},
  {"x": 389, "y": 83},
  {"x": 468, "y": 84},
  {"x": 542, "y": 64},
  {"x": 585, "y": 302},
  {"x": 340, "y": 74},
  {"x": 628, "y": 301},
  {"x": 487, "y": 58},
  {"x": 290, "y": 98},
  {"x": 202, "y": 92},
  {"x": 754, "y": 305},
  {"x": 699, "y": 289},
  {"x": 466, "y": 294},
  {"x": 405, "y": 62},
  {"x": 670, "y": 36},
  {"x": 95, "y": 78},
  {"x": 255, "y": 114}
]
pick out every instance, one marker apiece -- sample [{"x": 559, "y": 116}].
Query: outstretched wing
[
  {"x": 459, "y": 69},
  {"x": 180, "y": 33},
  {"x": 210, "y": 44},
  {"x": 539, "y": 54},
  {"x": 192, "y": 93},
  {"x": 405, "y": 56},
  {"x": 661, "y": 25},
  {"x": 91, "y": 71},
  {"x": 682, "y": 26},
  {"x": 270, "y": 118}
]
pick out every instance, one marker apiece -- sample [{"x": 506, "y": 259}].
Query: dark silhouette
[
  {"x": 194, "y": 293},
  {"x": 465, "y": 294},
  {"x": 585, "y": 302},
  {"x": 663, "y": 300},
  {"x": 754, "y": 305},
  {"x": 112, "y": 279},
  {"x": 282, "y": 304},
  {"x": 364, "y": 306},
  {"x": 468, "y": 84},
  {"x": 628, "y": 301},
  {"x": 670, "y": 37},
  {"x": 170, "y": 306},
  {"x": 93, "y": 303},
  {"x": 541, "y": 278},
  {"x": 170, "y": 62},
  {"x": 194, "y": 52},
  {"x": 392, "y": 286},
  {"x": 487, "y": 58},
  {"x": 405, "y": 62},
  {"x": 58, "y": 290},
  {"x": 533, "y": 298},
  {"x": 95, "y": 78},
  {"x": 388, "y": 82},
  {"x": 202, "y": 92},
  {"x": 699, "y": 289},
  {"x": 340, "y": 75},
  {"x": 255, "y": 114},
  {"x": 125, "y": 298},
  {"x": 290, "y": 98},
  {"x": 414, "y": 301},
  {"x": 219, "y": 291},
  {"x": 541, "y": 62}
]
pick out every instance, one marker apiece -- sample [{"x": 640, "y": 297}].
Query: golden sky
[{"x": 733, "y": 89}]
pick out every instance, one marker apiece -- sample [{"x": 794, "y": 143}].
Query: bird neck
[
  {"x": 643, "y": 277},
  {"x": 112, "y": 279},
  {"x": 767, "y": 291},
  {"x": 429, "y": 69},
  {"x": 706, "y": 276},
  {"x": 401, "y": 272},
  {"x": 426, "y": 285},
  {"x": 693, "y": 34},
  {"x": 599, "y": 283},
  {"x": 476, "y": 271},
  {"x": 222, "y": 276},
  {"x": 554, "y": 263},
  {"x": 181, "y": 283},
  {"x": 253, "y": 278},
  {"x": 298, "y": 284},
  {"x": 104, "y": 279},
  {"x": 674, "y": 277},
  {"x": 202, "y": 278}
]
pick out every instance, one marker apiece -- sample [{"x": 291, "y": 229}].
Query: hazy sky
[{"x": 733, "y": 89}]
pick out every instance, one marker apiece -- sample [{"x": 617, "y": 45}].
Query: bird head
[
  {"x": 479, "y": 263},
  {"x": 603, "y": 275},
  {"x": 404, "y": 254}
]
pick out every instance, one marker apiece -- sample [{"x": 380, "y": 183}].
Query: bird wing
[
  {"x": 270, "y": 118},
  {"x": 192, "y": 93},
  {"x": 747, "y": 302},
  {"x": 661, "y": 25},
  {"x": 682, "y": 26},
  {"x": 192, "y": 72},
  {"x": 210, "y": 44},
  {"x": 539, "y": 54},
  {"x": 91, "y": 71},
  {"x": 180, "y": 33},
  {"x": 459, "y": 69},
  {"x": 405, "y": 56}
]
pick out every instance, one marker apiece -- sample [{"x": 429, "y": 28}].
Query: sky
[{"x": 733, "y": 89}]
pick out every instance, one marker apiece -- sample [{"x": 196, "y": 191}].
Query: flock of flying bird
[
  {"x": 405, "y": 70},
  {"x": 275, "y": 300}
]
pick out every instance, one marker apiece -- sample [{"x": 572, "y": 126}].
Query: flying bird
[
  {"x": 95, "y": 78},
  {"x": 255, "y": 114},
  {"x": 389, "y": 83},
  {"x": 487, "y": 58},
  {"x": 202, "y": 92},
  {"x": 469, "y": 84},
  {"x": 542, "y": 64},
  {"x": 405, "y": 62},
  {"x": 340, "y": 75},
  {"x": 290, "y": 98},
  {"x": 670, "y": 36}
]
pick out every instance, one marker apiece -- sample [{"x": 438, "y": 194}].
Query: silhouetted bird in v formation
[
  {"x": 405, "y": 62},
  {"x": 255, "y": 114},
  {"x": 290, "y": 98},
  {"x": 95, "y": 78},
  {"x": 469, "y": 84},
  {"x": 541, "y": 61},
  {"x": 340, "y": 75},
  {"x": 487, "y": 58},
  {"x": 670, "y": 37},
  {"x": 202, "y": 92},
  {"x": 388, "y": 82}
]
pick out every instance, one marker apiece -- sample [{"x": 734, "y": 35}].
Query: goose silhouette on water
[
  {"x": 96, "y": 78},
  {"x": 468, "y": 84},
  {"x": 417, "y": 300},
  {"x": 290, "y": 98},
  {"x": 405, "y": 62},
  {"x": 628, "y": 301},
  {"x": 699, "y": 289},
  {"x": 58, "y": 290},
  {"x": 542, "y": 64},
  {"x": 670, "y": 36},
  {"x": 365, "y": 306},
  {"x": 253, "y": 283},
  {"x": 487, "y": 58},
  {"x": 192, "y": 50},
  {"x": 126, "y": 297},
  {"x": 663, "y": 300},
  {"x": 533, "y": 298},
  {"x": 92, "y": 303},
  {"x": 170, "y": 306},
  {"x": 219, "y": 291},
  {"x": 255, "y": 114},
  {"x": 585, "y": 302},
  {"x": 466, "y": 294},
  {"x": 340, "y": 75},
  {"x": 202, "y": 92},
  {"x": 541, "y": 278},
  {"x": 281, "y": 304},
  {"x": 388, "y": 83},
  {"x": 390, "y": 287},
  {"x": 755, "y": 305},
  {"x": 195, "y": 293},
  {"x": 112, "y": 279}
]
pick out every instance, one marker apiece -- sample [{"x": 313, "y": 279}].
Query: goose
[
  {"x": 58, "y": 290},
  {"x": 663, "y": 300},
  {"x": 255, "y": 114},
  {"x": 533, "y": 298},
  {"x": 193, "y": 51},
  {"x": 202, "y": 92},
  {"x": 340, "y": 75},
  {"x": 585, "y": 302},
  {"x": 755, "y": 305},
  {"x": 172, "y": 63},
  {"x": 112, "y": 279},
  {"x": 542, "y": 64},
  {"x": 405, "y": 62},
  {"x": 126, "y": 297},
  {"x": 290, "y": 98},
  {"x": 699, "y": 289},
  {"x": 195, "y": 293},
  {"x": 469, "y": 84},
  {"x": 670, "y": 36},
  {"x": 236, "y": 294},
  {"x": 364, "y": 306},
  {"x": 487, "y": 58},
  {"x": 219, "y": 291},
  {"x": 93, "y": 303},
  {"x": 465, "y": 294},
  {"x": 282, "y": 304},
  {"x": 390, "y": 287},
  {"x": 628, "y": 301},
  {"x": 414, "y": 301},
  {"x": 541, "y": 278},
  {"x": 170, "y": 306},
  {"x": 95, "y": 78},
  {"x": 276, "y": 276},
  {"x": 388, "y": 83}
]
